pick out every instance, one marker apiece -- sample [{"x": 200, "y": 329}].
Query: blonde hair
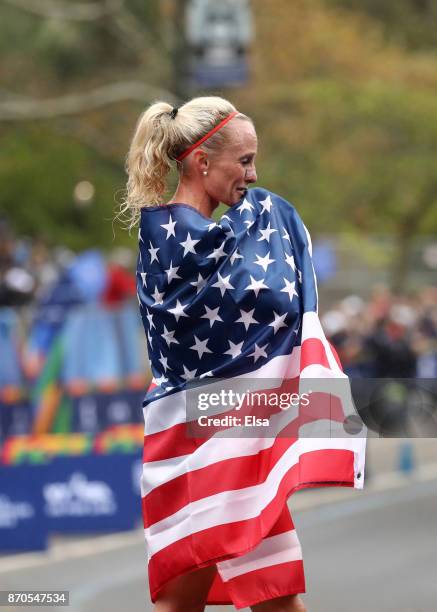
[{"x": 159, "y": 138}]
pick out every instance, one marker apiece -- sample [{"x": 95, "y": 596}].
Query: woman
[{"x": 213, "y": 306}]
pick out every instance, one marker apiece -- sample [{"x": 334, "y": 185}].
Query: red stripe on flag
[
  {"x": 171, "y": 442},
  {"x": 226, "y": 475},
  {"x": 276, "y": 581},
  {"x": 232, "y": 473},
  {"x": 313, "y": 353},
  {"x": 176, "y": 441},
  {"x": 203, "y": 548}
]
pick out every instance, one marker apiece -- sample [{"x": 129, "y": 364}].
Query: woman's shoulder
[
  {"x": 171, "y": 221},
  {"x": 267, "y": 198},
  {"x": 176, "y": 208}
]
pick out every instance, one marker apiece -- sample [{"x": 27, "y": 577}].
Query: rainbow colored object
[
  {"x": 120, "y": 438},
  {"x": 40, "y": 448}
]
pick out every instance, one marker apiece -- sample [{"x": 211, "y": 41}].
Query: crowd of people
[
  {"x": 386, "y": 335},
  {"x": 29, "y": 268}
]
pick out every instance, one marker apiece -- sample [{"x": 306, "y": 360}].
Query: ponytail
[{"x": 161, "y": 135}]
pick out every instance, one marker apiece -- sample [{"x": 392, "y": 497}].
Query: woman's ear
[{"x": 201, "y": 160}]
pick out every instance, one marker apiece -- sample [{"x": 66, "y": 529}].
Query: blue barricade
[
  {"x": 92, "y": 493},
  {"x": 22, "y": 522},
  {"x": 86, "y": 494}
]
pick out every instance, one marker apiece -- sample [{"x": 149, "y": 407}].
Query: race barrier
[
  {"x": 88, "y": 493},
  {"x": 23, "y": 525}
]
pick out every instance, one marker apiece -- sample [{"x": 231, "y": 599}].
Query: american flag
[{"x": 234, "y": 300}]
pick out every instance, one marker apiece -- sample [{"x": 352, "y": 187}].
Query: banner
[
  {"x": 91, "y": 494},
  {"x": 22, "y": 522}
]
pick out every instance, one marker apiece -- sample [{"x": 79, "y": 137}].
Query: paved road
[
  {"x": 376, "y": 551},
  {"x": 375, "y": 554}
]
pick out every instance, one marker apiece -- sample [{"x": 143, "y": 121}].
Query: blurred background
[{"x": 343, "y": 94}]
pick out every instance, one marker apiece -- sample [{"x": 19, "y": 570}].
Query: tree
[
  {"x": 347, "y": 123},
  {"x": 409, "y": 23},
  {"x": 346, "y": 118}
]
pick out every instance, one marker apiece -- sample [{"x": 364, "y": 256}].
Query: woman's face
[{"x": 233, "y": 169}]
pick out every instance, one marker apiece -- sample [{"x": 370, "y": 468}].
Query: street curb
[{"x": 311, "y": 498}]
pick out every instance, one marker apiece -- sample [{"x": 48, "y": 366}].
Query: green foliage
[
  {"x": 38, "y": 173},
  {"x": 346, "y": 117},
  {"x": 412, "y": 23}
]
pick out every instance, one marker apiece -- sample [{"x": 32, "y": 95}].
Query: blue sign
[
  {"x": 135, "y": 477},
  {"x": 22, "y": 522},
  {"x": 92, "y": 493}
]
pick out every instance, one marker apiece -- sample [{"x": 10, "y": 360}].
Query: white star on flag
[
  {"x": 200, "y": 283},
  {"x": 223, "y": 283},
  {"x": 265, "y": 233},
  {"x": 249, "y": 225},
  {"x": 206, "y": 374},
  {"x": 189, "y": 245},
  {"x": 157, "y": 296},
  {"x": 289, "y": 288},
  {"x": 256, "y": 285},
  {"x": 212, "y": 315},
  {"x": 150, "y": 319},
  {"x": 235, "y": 255},
  {"x": 178, "y": 310},
  {"x": 200, "y": 347},
  {"x": 258, "y": 352},
  {"x": 153, "y": 252},
  {"x": 188, "y": 374},
  {"x": 247, "y": 318},
  {"x": 290, "y": 260},
  {"x": 150, "y": 339},
  {"x": 217, "y": 253},
  {"x": 170, "y": 228},
  {"x": 140, "y": 238},
  {"x": 278, "y": 321},
  {"x": 234, "y": 349},
  {"x": 172, "y": 272},
  {"x": 169, "y": 336},
  {"x": 266, "y": 204},
  {"x": 264, "y": 262},
  {"x": 286, "y": 235},
  {"x": 164, "y": 361},
  {"x": 245, "y": 206},
  {"x": 143, "y": 276},
  {"x": 161, "y": 380},
  {"x": 212, "y": 226}
]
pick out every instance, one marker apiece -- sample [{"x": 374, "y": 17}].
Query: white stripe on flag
[
  {"x": 237, "y": 505},
  {"x": 170, "y": 410},
  {"x": 280, "y": 548},
  {"x": 312, "y": 328}
]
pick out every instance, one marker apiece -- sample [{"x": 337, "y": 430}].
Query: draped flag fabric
[{"x": 235, "y": 301}]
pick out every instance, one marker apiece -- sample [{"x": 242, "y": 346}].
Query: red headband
[{"x": 208, "y": 135}]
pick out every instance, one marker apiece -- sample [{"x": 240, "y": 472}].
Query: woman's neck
[{"x": 196, "y": 197}]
